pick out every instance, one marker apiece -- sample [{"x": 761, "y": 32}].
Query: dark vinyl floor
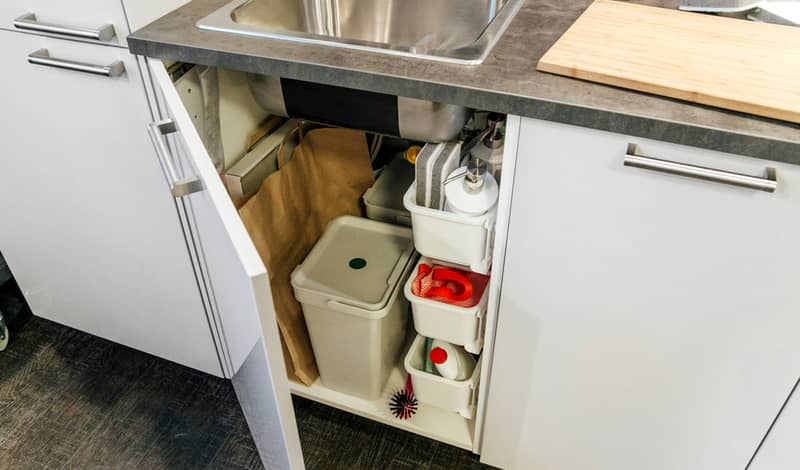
[{"x": 71, "y": 400}]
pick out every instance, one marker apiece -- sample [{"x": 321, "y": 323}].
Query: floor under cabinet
[
  {"x": 71, "y": 400},
  {"x": 429, "y": 421}
]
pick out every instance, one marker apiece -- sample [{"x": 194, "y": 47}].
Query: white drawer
[{"x": 75, "y": 19}]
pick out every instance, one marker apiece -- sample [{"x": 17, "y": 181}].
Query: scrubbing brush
[{"x": 403, "y": 404}]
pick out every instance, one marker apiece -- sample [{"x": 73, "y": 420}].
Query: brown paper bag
[{"x": 324, "y": 179}]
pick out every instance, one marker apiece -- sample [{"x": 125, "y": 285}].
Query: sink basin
[{"x": 459, "y": 31}]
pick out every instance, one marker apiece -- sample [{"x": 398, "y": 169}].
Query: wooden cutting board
[{"x": 730, "y": 63}]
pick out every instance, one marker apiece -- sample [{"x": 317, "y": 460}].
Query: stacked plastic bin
[{"x": 455, "y": 240}]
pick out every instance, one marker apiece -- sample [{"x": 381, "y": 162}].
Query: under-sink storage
[
  {"x": 452, "y": 323},
  {"x": 236, "y": 288},
  {"x": 349, "y": 287},
  {"x": 451, "y": 395},
  {"x": 384, "y": 200},
  {"x": 455, "y": 238}
]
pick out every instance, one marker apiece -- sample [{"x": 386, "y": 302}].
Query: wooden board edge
[
  {"x": 722, "y": 103},
  {"x": 548, "y": 64}
]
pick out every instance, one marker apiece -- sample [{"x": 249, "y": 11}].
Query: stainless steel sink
[{"x": 460, "y": 31}]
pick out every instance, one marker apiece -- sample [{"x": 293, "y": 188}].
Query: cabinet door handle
[
  {"x": 178, "y": 187},
  {"x": 28, "y": 22},
  {"x": 769, "y": 183},
  {"x": 42, "y": 57}
]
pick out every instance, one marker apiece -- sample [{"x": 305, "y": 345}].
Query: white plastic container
[
  {"x": 456, "y": 238},
  {"x": 386, "y": 214},
  {"x": 452, "y": 395},
  {"x": 384, "y": 200},
  {"x": 349, "y": 287},
  {"x": 458, "y": 325}
]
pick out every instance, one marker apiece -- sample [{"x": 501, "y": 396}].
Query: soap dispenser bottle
[{"x": 471, "y": 190}]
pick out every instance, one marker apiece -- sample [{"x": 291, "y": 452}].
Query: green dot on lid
[{"x": 358, "y": 263}]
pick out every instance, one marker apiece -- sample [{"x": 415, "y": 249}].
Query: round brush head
[{"x": 403, "y": 404}]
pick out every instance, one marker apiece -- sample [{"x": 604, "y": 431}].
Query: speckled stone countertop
[{"x": 506, "y": 82}]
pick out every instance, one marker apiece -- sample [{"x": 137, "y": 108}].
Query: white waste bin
[{"x": 350, "y": 289}]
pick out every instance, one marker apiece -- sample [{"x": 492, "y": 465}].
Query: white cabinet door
[
  {"x": 73, "y": 19},
  {"x": 85, "y": 225},
  {"x": 647, "y": 320},
  {"x": 238, "y": 285},
  {"x": 781, "y": 448}
]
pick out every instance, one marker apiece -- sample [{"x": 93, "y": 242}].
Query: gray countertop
[{"x": 506, "y": 82}]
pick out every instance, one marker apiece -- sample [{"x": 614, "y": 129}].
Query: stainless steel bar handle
[
  {"x": 42, "y": 57},
  {"x": 28, "y": 22},
  {"x": 769, "y": 183},
  {"x": 178, "y": 187}
]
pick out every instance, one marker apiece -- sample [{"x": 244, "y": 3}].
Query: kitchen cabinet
[
  {"x": 647, "y": 320},
  {"x": 636, "y": 319},
  {"x": 242, "y": 303},
  {"x": 780, "y": 449},
  {"x": 91, "y": 237}
]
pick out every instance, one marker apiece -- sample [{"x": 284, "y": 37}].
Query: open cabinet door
[{"x": 236, "y": 283}]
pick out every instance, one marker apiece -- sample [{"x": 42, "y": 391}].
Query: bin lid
[{"x": 357, "y": 262}]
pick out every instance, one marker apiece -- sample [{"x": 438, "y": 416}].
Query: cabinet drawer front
[
  {"x": 67, "y": 19},
  {"x": 647, "y": 319}
]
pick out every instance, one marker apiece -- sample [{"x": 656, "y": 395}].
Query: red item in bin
[
  {"x": 438, "y": 356},
  {"x": 449, "y": 285}
]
